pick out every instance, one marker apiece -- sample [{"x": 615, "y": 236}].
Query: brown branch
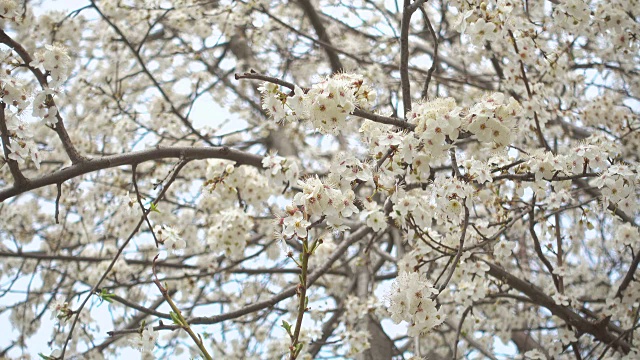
[
  {"x": 134, "y": 179},
  {"x": 316, "y": 22},
  {"x": 405, "y": 25},
  {"x": 132, "y": 326},
  {"x": 140, "y": 308},
  {"x": 541, "y": 139},
  {"x": 136, "y": 157},
  {"x": 536, "y": 242},
  {"x": 532, "y": 177},
  {"x": 434, "y": 61},
  {"x": 59, "y": 194},
  {"x": 454, "y": 264},
  {"x": 404, "y": 56},
  {"x": 629, "y": 275},
  {"x": 538, "y": 297}
]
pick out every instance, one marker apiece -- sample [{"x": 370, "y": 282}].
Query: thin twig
[
  {"x": 179, "y": 319},
  {"x": 404, "y": 56},
  {"x": 59, "y": 188},
  {"x": 536, "y": 242},
  {"x": 454, "y": 265},
  {"x": 434, "y": 60},
  {"x": 144, "y": 211}
]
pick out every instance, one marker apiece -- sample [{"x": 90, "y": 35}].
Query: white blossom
[
  {"x": 170, "y": 238},
  {"x": 410, "y": 300}
]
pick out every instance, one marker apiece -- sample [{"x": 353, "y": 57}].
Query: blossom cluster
[
  {"x": 443, "y": 201},
  {"x": 230, "y": 232},
  {"x": 60, "y": 310},
  {"x": 478, "y": 171},
  {"x": 146, "y": 340},
  {"x": 627, "y": 235},
  {"x": 226, "y": 182},
  {"x": 483, "y": 23},
  {"x": 572, "y": 14},
  {"x": 618, "y": 184},
  {"x": 326, "y": 104},
  {"x": 8, "y": 9},
  {"x": 411, "y": 300},
  {"x": 295, "y": 223},
  {"x": 347, "y": 169},
  {"x": 170, "y": 238},
  {"x": 15, "y": 94},
  {"x": 281, "y": 169},
  {"x": 376, "y": 220},
  {"x": 503, "y": 249},
  {"x": 55, "y": 60},
  {"x": 435, "y": 121},
  {"x": 493, "y": 119},
  {"x": 322, "y": 198},
  {"x": 438, "y": 124}
]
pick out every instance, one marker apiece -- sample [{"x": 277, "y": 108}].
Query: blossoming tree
[{"x": 320, "y": 179}]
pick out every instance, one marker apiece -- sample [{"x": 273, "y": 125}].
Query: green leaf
[
  {"x": 105, "y": 296},
  {"x": 316, "y": 245},
  {"x": 287, "y": 327},
  {"x": 175, "y": 318},
  {"x": 154, "y": 208},
  {"x": 45, "y": 357}
]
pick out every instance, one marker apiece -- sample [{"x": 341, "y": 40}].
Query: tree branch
[{"x": 136, "y": 157}]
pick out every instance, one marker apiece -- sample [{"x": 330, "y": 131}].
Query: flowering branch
[
  {"x": 18, "y": 177},
  {"x": 59, "y": 127},
  {"x": 357, "y": 111}
]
